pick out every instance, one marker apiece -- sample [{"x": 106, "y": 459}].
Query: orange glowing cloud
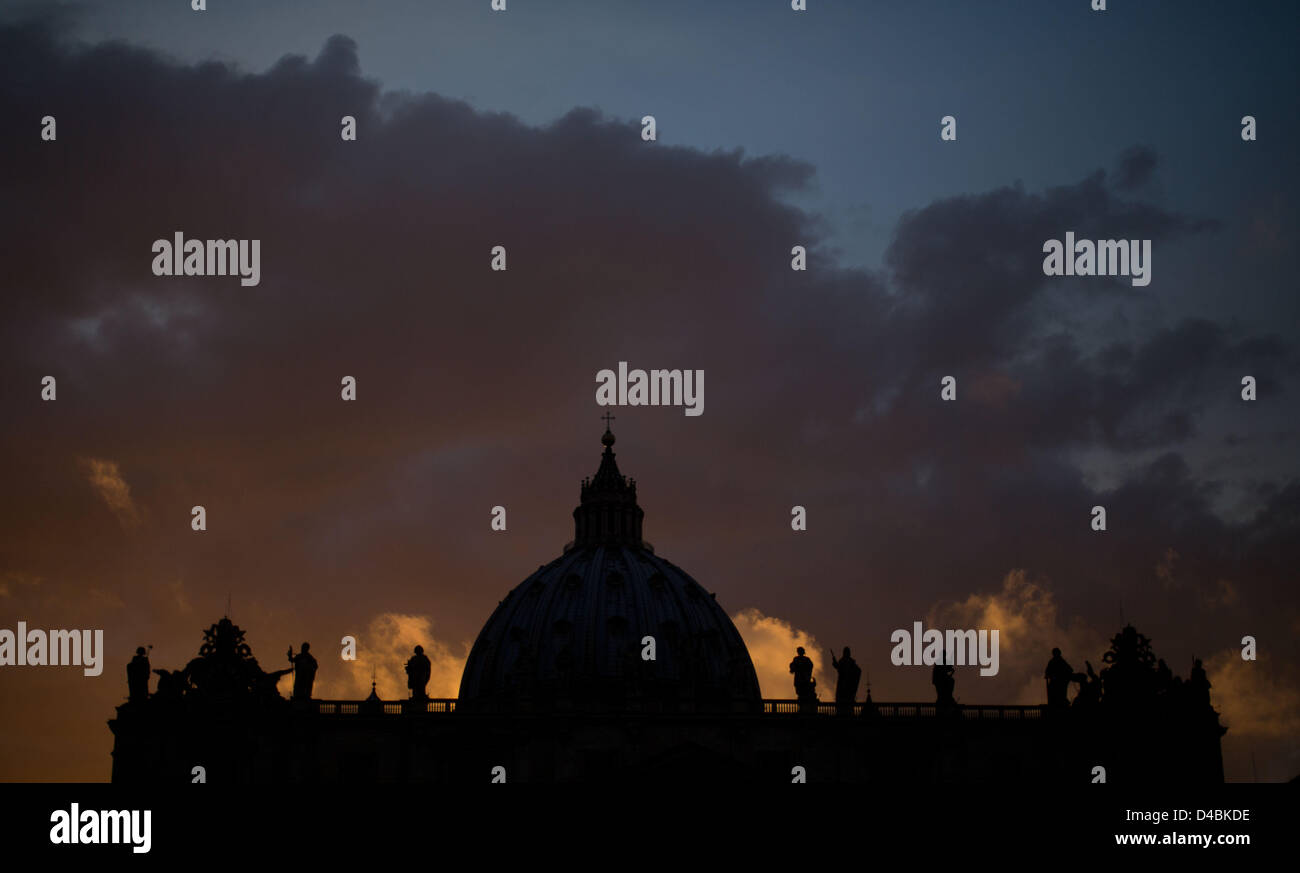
[
  {"x": 1024, "y": 612},
  {"x": 1250, "y": 698},
  {"x": 382, "y": 651},
  {"x": 772, "y": 643},
  {"x": 107, "y": 481}
]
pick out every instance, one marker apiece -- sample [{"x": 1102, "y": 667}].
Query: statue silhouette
[
  {"x": 944, "y": 681},
  {"x": 1130, "y": 677},
  {"x": 846, "y": 685},
  {"x": 225, "y": 668},
  {"x": 304, "y": 672},
  {"x": 805, "y": 686},
  {"x": 137, "y": 677},
  {"x": 1198, "y": 685},
  {"x": 1058, "y": 675},
  {"x": 1089, "y": 689},
  {"x": 418, "y": 670},
  {"x": 172, "y": 685},
  {"x": 265, "y": 690}
]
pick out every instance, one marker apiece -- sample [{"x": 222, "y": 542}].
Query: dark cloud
[
  {"x": 972, "y": 265},
  {"x": 1134, "y": 168},
  {"x": 1136, "y": 396},
  {"x": 476, "y": 388}
]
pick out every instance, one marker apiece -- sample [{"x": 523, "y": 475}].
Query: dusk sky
[{"x": 476, "y": 388}]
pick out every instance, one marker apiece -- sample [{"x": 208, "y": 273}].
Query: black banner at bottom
[{"x": 272, "y": 824}]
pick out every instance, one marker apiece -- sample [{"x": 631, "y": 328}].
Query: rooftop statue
[
  {"x": 137, "y": 677},
  {"x": 224, "y": 670},
  {"x": 805, "y": 686},
  {"x": 304, "y": 672},
  {"x": 943, "y": 677},
  {"x": 1058, "y": 675},
  {"x": 418, "y": 670},
  {"x": 846, "y": 685}
]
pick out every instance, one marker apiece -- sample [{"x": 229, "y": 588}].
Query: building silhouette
[{"x": 611, "y": 664}]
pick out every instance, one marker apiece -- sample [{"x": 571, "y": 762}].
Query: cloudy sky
[{"x": 477, "y": 388}]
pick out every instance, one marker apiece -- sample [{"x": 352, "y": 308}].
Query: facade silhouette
[{"x": 611, "y": 664}]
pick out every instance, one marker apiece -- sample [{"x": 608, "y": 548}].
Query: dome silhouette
[{"x": 572, "y": 635}]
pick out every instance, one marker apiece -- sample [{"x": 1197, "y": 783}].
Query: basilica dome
[{"x": 573, "y": 634}]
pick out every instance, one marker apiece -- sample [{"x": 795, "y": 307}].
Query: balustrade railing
[
  {"x": 386, "y": 707},
  {"x": 909, "y": 710},
  {"x": 770, "y": 707}
]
